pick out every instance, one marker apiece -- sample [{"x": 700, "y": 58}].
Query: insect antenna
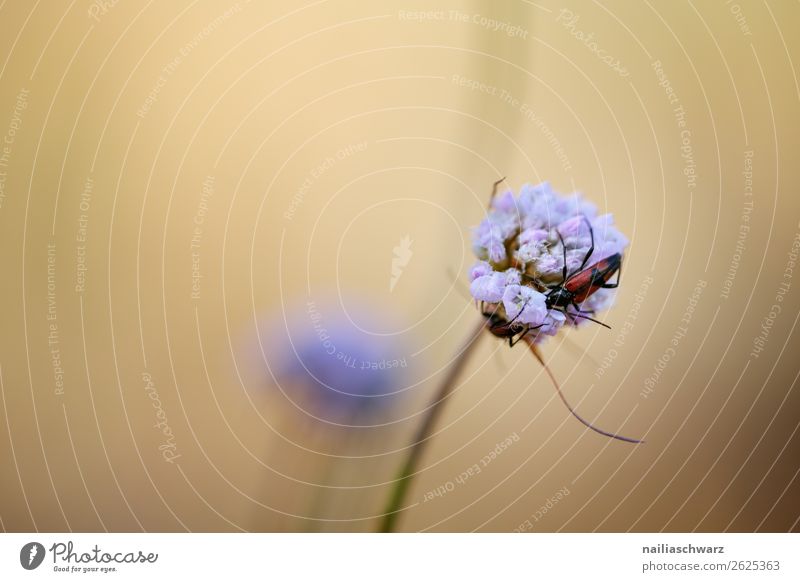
[
  {"x": 538, "y": 355},
  {"x": 494, "y": 190},
  {"x": 586, "y": 317}
]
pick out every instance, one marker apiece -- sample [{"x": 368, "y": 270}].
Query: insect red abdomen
[{"x": 584, "y": 283}]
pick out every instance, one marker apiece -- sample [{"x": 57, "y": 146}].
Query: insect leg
[
  {"x": 579, "y": 310},
  {"x": 564, "y": 270},
  {"x": 591, "y": 248},
  {"x": 568, "y": 314},
  {"x": 512, "y": 342},
  {"x": 614, "y": 285},
  {"x": 524, "y": 305}
]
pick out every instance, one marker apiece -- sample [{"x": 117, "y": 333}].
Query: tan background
[{"x": 264, "y": 95}]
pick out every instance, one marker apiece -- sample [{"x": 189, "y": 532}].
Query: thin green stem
[{"x": 409, "y": 470}]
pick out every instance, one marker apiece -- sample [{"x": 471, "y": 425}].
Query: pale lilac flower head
[{"x": 520, "y": 253}]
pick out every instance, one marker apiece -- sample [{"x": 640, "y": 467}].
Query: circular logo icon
[{"x": 31, "y": 555}]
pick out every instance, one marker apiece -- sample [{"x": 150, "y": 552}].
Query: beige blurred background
[{"x": 308, "y": 141}]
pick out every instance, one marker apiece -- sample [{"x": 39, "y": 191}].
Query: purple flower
[
  {"x": 520, "y": 248},
  {"x": 328, "y": 366},
  {"x": 490, "y": 236}
]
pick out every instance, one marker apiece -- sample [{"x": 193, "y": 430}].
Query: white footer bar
[{"x": 407, "y": 557}]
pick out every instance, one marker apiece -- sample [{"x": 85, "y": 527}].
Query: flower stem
[{"x": 409, "y": 470}]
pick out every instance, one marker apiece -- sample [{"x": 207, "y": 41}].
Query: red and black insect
[
  {"x": 576, "y": 288},
  {"x": 571, "y": 291}
]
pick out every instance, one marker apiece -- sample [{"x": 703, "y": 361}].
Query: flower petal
[
  {"x": 525, "y": 304},
  {"x": 479, "y": 269},
  {"x": 489, "y": 288}
]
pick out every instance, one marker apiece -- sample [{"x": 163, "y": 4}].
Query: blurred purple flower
[{"x": 328, "y": 366}]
